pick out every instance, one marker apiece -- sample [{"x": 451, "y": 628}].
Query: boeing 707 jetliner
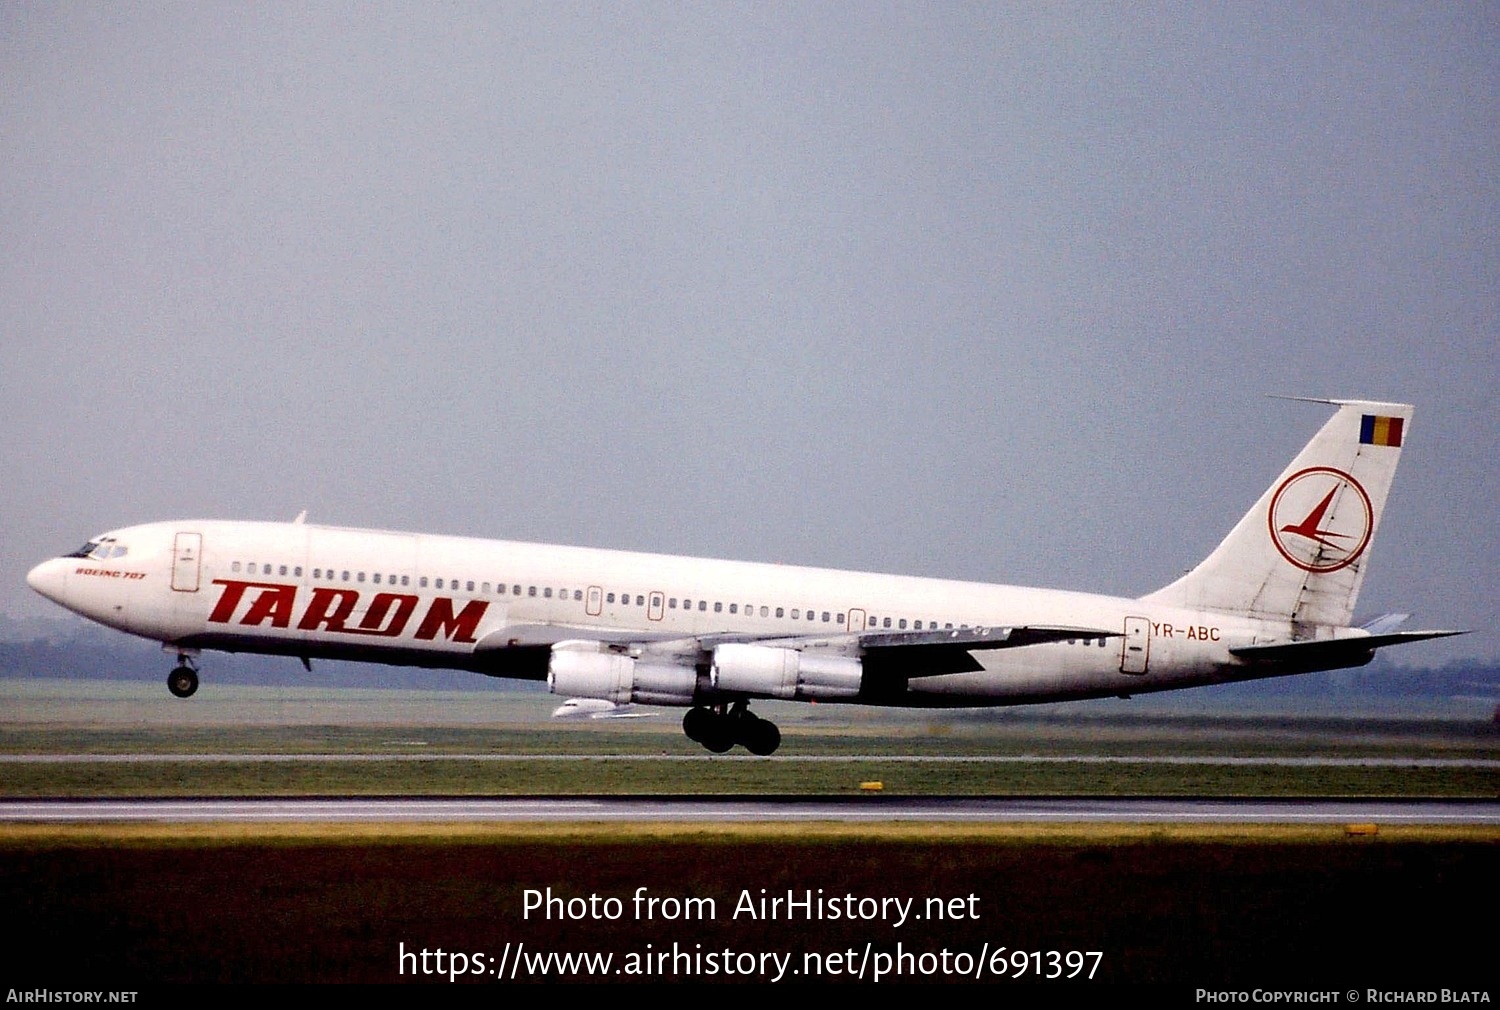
[{"x": 1276, "y": 597}]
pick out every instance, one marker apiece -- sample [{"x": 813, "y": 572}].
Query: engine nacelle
[
  {"x": 575, "y": 671},
  {"x": 785, "y": 673}
]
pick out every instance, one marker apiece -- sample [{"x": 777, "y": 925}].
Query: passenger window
[
  {"x": 780, "y": 611},
  {"x": 610, "y": 598},
  {"x": 376, "y": 578},
  {"x": 406, "y": 580},
  {"x": 437, "y": 583},
  {"x": 718, "y": 607},
  {"x": 734, "y": 608},
  {"x": 796, "y": 614},
  {"x": 485, "y": 589},
  {"x": 422, "y": 582},
  {"x": 531, "y": 590},
  {"x": 515, "y": 590},
  {"x": 839, "y": 619},
  {"x": 346, "y": 576},
  {"x": 672, "y": 603},
  {"x": 468, "y": 587},
  {"x": 547, "y": 592},
  {"x": 578, "y": 595},
  {"x": 235, "y": 567},
  {"x": 297, "y": 571},
  {"x": 283, "y": 570},
  {"x": 825, "y": 617},
  {"x": 765, "y": 611},
  {"x": 888, "y": 622},
  {"x": 361, "y": 577},
  {"x": 640, "y": 601}
]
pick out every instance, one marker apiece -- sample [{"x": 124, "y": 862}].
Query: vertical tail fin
[{"x": 1299, "y": 555}]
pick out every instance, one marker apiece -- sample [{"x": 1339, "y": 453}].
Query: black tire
[
  {"x": 717, "y": 732},
  {"x": 182, "y": 682},
  {"x": 696, "y": 722},
  {"x": 761, "y": 737},
  {"x": 719, "y": 743}
]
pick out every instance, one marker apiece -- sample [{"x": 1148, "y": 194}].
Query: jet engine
[
  {"x": 588, "y": 673},
  {"x": 770, "y": 672}
]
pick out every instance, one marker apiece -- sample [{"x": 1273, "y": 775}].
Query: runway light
[{"x": 871, "y": 787}]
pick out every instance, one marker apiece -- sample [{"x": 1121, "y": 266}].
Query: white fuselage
[{"x": 498, "y": 607}]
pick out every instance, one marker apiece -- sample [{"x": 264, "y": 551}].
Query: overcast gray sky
[{"x": 985, "y": 291}]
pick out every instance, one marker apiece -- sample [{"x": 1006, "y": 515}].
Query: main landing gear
[
  {"x": 183, "y": 681},
  {"x": 720, "y": 727}
]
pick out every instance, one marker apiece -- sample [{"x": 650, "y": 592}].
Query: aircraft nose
[{"x": 48, "y": 579}]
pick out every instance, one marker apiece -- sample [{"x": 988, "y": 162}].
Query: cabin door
[
  {"x": 1137, "y": 648},
  {"x": 187, "y": 561}
]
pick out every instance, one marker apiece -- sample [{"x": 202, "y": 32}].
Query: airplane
[
  {"x": 1275, "y": 597},
  {"x": 596, "y": 708}
]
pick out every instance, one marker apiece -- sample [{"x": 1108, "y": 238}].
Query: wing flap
[{"x": 935, "y": 653}]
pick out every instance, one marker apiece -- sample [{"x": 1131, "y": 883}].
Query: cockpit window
[{"x": 102, "y": 549}]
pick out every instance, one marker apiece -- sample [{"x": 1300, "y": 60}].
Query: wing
[
  {"x": 933, "y": 653},
  {"x": 629, "y": 666},
  {"x": 917, "y": 653}
]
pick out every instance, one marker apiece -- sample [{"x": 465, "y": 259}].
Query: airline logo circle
[{"x": 1321, "y": 519}]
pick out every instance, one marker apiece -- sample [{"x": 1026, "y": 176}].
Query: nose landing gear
[
  {"x": 183, "y": 681},
  {"x": 720, "y": 727}
]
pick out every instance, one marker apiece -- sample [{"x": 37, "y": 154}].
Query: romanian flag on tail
[{"x": 1377, "y": 430}]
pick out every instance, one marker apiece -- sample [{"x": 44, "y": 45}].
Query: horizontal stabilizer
[{"x": 1333, "y": 653}]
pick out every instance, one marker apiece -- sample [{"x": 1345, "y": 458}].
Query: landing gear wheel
[
  {"x": 760, "y": 736},
  {"x": 716, "y": 731},
  {"x": 697, "y": 723},
  {"x": 720, "y": 741},
  {"x": 183, "y": 681},
  {"x": 719, "y": 728}
]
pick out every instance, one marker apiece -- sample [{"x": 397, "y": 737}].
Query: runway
[
  {"x": 1003, "y": 759},
  {"x": 716, "y": 810}
]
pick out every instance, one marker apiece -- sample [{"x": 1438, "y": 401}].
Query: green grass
[
  {"x": 586, "y": 776},
  {"x": 137, "y": 719}
]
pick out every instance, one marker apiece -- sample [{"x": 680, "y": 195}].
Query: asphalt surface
[
  {"x": 340, "y": 758},
  {"x": 852, "y": 809}
]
